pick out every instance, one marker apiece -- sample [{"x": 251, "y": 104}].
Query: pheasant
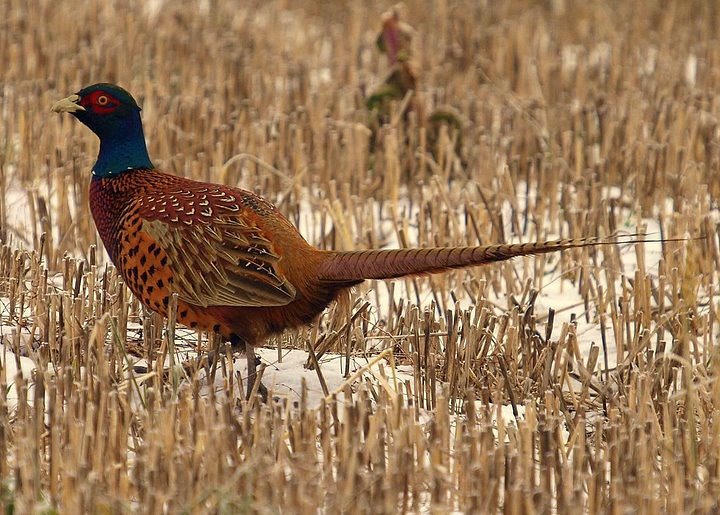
[{"x": 237, "y": 265}]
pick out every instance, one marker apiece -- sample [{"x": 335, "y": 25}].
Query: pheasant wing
[{"x": 223, "y": 258}]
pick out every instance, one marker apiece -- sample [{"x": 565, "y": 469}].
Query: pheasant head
[{"x": 114, "y": 116}]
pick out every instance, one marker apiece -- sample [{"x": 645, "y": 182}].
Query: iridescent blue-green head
[{"x": 114, "y": 116}]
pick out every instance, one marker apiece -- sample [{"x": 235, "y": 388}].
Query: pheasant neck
[{"x": 122, "y": 150}]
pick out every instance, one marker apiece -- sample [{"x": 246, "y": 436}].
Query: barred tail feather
[{"x": 355, "y": 266}]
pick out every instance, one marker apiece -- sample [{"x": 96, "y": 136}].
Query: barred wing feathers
[{"x": 218, "y": 252}]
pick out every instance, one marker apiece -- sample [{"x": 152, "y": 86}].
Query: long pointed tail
[{"x": 355, "y": 266}]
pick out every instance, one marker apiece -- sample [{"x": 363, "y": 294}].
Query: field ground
[{"x": 582, "y": 381}]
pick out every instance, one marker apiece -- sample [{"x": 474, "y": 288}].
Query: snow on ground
[{"x": 14, "y": 368}]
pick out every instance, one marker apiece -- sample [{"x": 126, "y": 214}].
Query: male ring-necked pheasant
[{"x": 239, "y": 267}]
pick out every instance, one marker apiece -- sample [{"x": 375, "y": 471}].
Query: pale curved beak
[{"x": 68, "y": 105}]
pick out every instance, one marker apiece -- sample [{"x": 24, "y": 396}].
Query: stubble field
[{"x": 582, "y": 381}]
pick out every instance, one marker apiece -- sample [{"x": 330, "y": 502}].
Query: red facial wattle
[{"x": 99, "y": 102}]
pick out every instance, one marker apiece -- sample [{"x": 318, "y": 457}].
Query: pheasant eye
[{"x": 102, "y": 100}]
